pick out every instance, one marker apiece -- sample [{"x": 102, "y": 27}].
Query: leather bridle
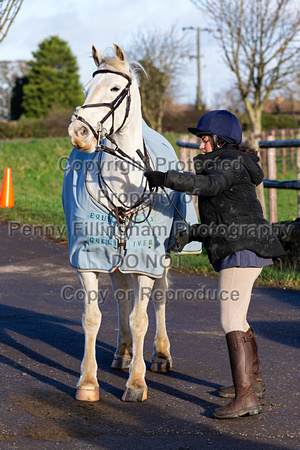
[{"x": 102, "y": 133}]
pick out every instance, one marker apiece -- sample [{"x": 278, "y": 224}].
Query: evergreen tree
[{"x": 52, "y": 79}]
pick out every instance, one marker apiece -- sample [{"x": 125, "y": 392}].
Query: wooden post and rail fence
[{"x": 269, "y": 149}]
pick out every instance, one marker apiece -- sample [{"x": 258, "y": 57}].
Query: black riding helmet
[{"x": 219, "y": 124}]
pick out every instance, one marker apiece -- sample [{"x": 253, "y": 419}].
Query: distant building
[{"x": 281, "y": 105}]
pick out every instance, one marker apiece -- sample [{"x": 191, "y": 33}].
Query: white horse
[{"x": 106, "y": 132}]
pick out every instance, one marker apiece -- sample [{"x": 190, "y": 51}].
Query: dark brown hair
[{"x": 244, "y": 147}]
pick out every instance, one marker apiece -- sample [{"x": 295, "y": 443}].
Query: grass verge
[
  {"x": 272, "y": 276},
  {"x": 37, "y": 167}
]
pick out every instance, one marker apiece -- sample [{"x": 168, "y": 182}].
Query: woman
[{"x": 238, "y": 240}]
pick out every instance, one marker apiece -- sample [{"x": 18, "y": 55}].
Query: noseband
[{"x": 101, "y": 133}]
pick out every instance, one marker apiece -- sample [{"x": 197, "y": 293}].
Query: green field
[{"x": 37, "y": 180}]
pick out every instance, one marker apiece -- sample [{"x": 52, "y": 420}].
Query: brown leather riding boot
[
  {"x": 258, "y": 384},
  {"x": 241, "y": 362}
]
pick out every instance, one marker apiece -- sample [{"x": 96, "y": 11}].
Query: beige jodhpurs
[{"x": 234, "y": 292}]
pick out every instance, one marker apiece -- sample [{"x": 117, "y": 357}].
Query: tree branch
[{"x": 6, "y": 18}]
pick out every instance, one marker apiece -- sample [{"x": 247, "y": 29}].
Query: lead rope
[
  {"x": 148, "y": 167},
  {"x": 124, "y": 207},
  {"x": 102, "y": 133},
  {"x": 145, "y": 159}
]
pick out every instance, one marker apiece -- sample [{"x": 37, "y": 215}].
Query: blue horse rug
[{"x": 93, "y": 233}]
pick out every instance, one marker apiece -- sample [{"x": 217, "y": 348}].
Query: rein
[
  {"x": 125, "y": 93},
  {"x": 124, "y": 209},
  {"x": 102, "y": 134}
]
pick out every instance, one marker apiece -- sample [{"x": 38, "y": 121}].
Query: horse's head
[{"x": 107, "y": 102}]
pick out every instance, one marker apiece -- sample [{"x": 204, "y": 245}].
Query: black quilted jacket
[{"x": 231, "y": 215}]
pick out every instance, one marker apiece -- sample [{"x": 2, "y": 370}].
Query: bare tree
[
  {"x": 230, "y": 99},
  {"x": 292, "y": 90},
  {"x": 8, "y": 11},
  {"x": 160, "y": 53},
  {"x": 260, "y": 45}
]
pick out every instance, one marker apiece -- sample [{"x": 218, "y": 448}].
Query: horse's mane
[{"x": 130, "y": 68}]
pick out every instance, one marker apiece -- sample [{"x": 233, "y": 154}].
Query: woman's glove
[
  {"x": 188, "y": 235},
  {"x": 182, "y": 239},
  {"x": 155, "y": 178}
]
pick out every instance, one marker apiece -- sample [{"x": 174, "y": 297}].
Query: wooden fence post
[
  {"x": 292, "y": 159},
  {"x": 298, "y": 175},
  {"x": 283, "y": 152},
  {"x": 251, "y": 137},
  {"x": 193, "y": 153},
  {"x": 263, "y": 154},
  {"x": 183, "y": 151},
  {"x": 273, "y": 134},
  {"x": 272, "y": 176}
]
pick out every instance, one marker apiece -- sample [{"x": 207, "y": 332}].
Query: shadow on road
[
  {"x": 281, "y": 331},
  {"x": 58, "y": 334}
]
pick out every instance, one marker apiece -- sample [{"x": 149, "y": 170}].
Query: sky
[{"x": 83, "y": 23}]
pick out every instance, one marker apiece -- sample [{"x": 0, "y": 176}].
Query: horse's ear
[
  {"x": 119, "y": 53},
  {"x": 96, "y": 56}
]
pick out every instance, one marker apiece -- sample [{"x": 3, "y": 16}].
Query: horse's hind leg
[
  {"x": 161, "y": 358},
  {"x": 123, "y": 294},
  {"x": 87, "y": 386},
  {"x": 136, "y": 388}
]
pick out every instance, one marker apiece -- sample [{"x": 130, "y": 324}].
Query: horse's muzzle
[{"x": 81, "y": 137}]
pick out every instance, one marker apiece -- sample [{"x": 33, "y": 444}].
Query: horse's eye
[{"x": 115, "y": 89}]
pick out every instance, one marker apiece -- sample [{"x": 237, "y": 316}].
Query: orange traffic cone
[{"x": 7, "y": 192}]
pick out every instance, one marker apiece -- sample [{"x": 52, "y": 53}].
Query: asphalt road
[{"x": 41, "y": 351}]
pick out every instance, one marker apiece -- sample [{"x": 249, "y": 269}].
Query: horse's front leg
[
  {"x": 87, "y": 386},
  {"x": 161, "y": 358},
  {"x": 136, "y": 388},
  {"x": 123, "y": 294}
]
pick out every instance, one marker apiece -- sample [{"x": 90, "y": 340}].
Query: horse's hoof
[
  {"x": 120, "y": 363},
  {"x": 162, "y": 366},
  {"x": 133, "y": 395},
  {"x": 89, "y": 394}
]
